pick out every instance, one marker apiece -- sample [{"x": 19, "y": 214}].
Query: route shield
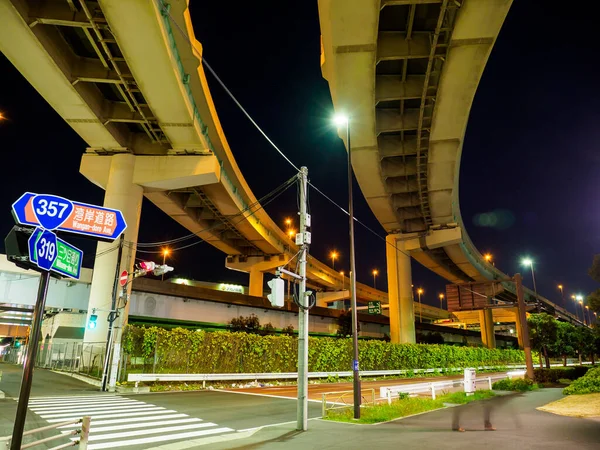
[{"x": 57, "y": 213}]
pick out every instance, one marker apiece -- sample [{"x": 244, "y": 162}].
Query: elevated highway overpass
[
  {"x": 405, "y": 72},
  {"x": 128, "y": 78}
]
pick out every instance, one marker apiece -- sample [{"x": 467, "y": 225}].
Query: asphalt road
[
  {"x": 45, "y": 383},
  {"x": 518, "y": 426},
  {"x": 316, "y": 391}
]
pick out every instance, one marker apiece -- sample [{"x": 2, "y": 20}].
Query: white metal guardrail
[
  {"x": 151, "y": 377},
  {"x": 389, "y": 392},
  {"x": 83, "y": 433},
  {"x": 140, "y": 377}
]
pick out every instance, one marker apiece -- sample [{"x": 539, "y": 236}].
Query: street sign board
[
  {"x": 374, "y": 308},
  {"x": 57, "y": 213},
  {"x": 123, "y": 278},
  {"x": 42, "y": 248},
  {"x": 50, "y": 252}
]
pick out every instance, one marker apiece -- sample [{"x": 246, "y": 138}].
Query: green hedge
[
  {"x": 518, "y": 385},
  {"x": 181, "y": 350},
  {"x": 587, "y": 384},
  {"x": 560, "y": 373}
]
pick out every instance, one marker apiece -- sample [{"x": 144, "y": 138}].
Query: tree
[
  {"x": 585, "y": 342},
  {"x": 345, "y": 324},
  {"x": 543, "y": 331},
  {"x": 594, "y": 271},
  {"x": 593, "y": 301},
  {"x": 250, "y": 324},
  {"x": 565, "y": 341}
]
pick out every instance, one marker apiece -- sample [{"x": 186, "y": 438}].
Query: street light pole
[
  {"x": 419, "y": 292},
  {"x": 355, "y": 367},
  {"x": 562, "y": 295},
  {"x": 441, "y": 301},
  {"x": 529, "y": 262},
  {"x": 375, "y": 273}
]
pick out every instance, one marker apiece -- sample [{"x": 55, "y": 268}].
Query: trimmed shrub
[
  {"x": 517, "y": 384},
  {"x": 187, "y": 351},
  {"x": 556, "y": 374},
  {"x": 587, "y": 384}
]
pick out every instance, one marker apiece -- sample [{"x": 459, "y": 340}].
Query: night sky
[{"x": 530, "y": 155}]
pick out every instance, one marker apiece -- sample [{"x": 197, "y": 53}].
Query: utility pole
[
  {"x": 302, "y": 410},
  {"x": 112, "y": 315}
]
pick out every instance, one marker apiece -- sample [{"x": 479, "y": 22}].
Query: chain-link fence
[{"x": 76, "y": 357}]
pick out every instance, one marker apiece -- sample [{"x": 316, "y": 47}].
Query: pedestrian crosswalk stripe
[
  {"x": 131, "y": 419},
  {"x": 104, "y": 437},
  {"x": 74, "y": 404},
  {"x": 148, "y": 440},
  {"x": 126, "y": 421},
  {"x": 83, "y": 407},
  {"x": 91, "y": 412},
  {"x": 130, "y": 426},
  {"x": 146, "y": 412}
]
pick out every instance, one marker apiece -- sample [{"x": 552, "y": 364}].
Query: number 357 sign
[{"x": 57, "y": 213}]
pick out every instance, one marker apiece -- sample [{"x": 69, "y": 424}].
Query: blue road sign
[
  {"x": 67, "y": 258},
  {"x": 42, "y": 248},
  {"x": 355, "y": 364},
  {"x": 58, "y": 213}
]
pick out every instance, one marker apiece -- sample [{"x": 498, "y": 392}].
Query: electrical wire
[
  {"x": 267, "y": 197},
  {"x": 261, "y": 206}
]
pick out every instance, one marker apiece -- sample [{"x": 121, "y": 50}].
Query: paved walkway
[{"x": 519, "y": 426}]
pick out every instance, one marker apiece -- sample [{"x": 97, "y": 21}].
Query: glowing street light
[
  {"x": 488, "y": 258},
  {"x": 529, "y": 262},
  {"x": 291, "y": 233},
  {"x": 341, "y": 120},
  {"x": 375, "y": 273},
  {"x": 441, "y": 296},
  {"x": 333, "y": 255},
  {"x": 343, "y": 279},
  {"x": 288, "y": 222},
  {"x": 419, "y": 293},
  {"x": 562, "y": 294},
  {"x": 165, "y": 253},
  {"x": 589, "y": 314},
  {"x": 579, "y": 298}
]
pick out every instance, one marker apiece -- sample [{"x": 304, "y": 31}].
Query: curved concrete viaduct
[{"x": 405, "y": 72}]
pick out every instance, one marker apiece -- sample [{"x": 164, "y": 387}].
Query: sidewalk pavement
[{"x": 518, "y": 426}]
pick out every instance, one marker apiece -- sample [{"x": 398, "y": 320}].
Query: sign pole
[
  {"x": 302, "y": 407},
  {"x": 112, "y": 315},
  {"x": 34, "y": 337}
]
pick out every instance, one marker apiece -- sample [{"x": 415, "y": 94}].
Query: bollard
[
  {"x": 85, "y": 432},
  {"x": 389, "y": 397},
  {"x": 490, "y": 383},
  {"x": 432, "y": 391}
]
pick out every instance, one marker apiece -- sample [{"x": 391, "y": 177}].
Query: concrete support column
[
  {"x": 402, "y": 318},
  {"x": 256, "y": 283},
  {"x": 122, "y": 194},
  {"x": 486, "y": 323},
  {"x": 518, "y": 327}
]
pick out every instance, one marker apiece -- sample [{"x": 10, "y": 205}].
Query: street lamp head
[
  {"x": 487, "y": 257},
  {"x": 292, "y": 233},
  {"x": 333, "y": 255},
  {"x": 375, "y": 272},
  {"x": 573, "y": 296},
  {"x": 527, "y": 262},
  {"x": 579, "y": 298},
  {"x": 288, "y": 221},
  {"x": 420, "y": 291},
  {"x": 342, "y": 273},
  {"x": 560, "y": 287},
  {"x": 441, "y": 296},
  {"x": 340, "y": 120},
  {"x": 166, "y": 252}
]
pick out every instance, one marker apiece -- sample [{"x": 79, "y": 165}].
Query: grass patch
[
  {"x": 517, "y": 384},
  {"x": 404, "y": 407}
]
